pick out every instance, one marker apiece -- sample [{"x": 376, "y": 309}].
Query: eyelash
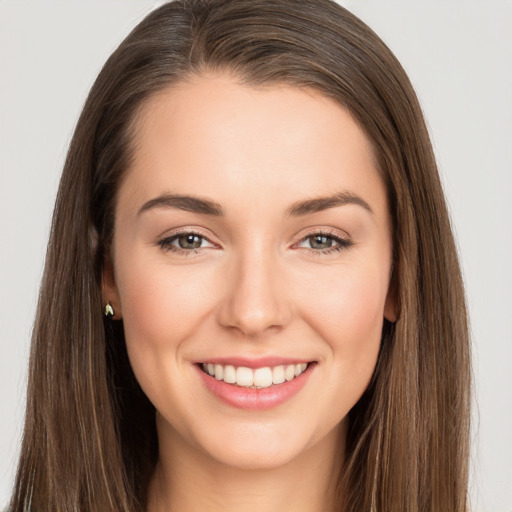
[
  {"x": 342, "y": 243},
  {"x": 166, "y": 243}
]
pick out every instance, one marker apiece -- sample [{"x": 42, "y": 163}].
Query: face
[{"x": 251, "y": 262}]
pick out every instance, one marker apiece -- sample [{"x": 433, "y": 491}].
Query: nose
[{"x": 255, "y": 301}]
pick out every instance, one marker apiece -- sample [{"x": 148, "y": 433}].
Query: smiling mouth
[{"x": 257, "y": 378}]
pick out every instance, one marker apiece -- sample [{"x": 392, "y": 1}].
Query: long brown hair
[{"x": 90, "y": 441}]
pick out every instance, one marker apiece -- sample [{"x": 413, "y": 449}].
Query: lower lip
[{"x": 255, "y": 399}]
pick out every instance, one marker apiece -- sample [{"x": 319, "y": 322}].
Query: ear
[{"x": 109, "y": 289}]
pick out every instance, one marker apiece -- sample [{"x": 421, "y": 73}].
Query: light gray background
[{"x": 459, "y": 57}]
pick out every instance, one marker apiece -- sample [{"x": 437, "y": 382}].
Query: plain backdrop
[{"x": 459, "y": 57}]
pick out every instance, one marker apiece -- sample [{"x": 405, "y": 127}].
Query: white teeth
[
  {"x": 244, "y": 376},
  {"x": 278, "y": 375},
  {"x": 289, "y": 372},
  {"x": 219, "y": 372},
  {"x": 257, "y": 378},
  {"x": 263, "y": 377},
  {"x": 229, "y": 374},
  {"x": 299, "y": 368}
]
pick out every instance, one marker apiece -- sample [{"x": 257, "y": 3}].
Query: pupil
[
  {"x": 321, "y": 242},
  {"x": 190, "y": 241}
]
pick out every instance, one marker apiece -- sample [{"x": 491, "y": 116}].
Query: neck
[{"x": 188, "y": 480}]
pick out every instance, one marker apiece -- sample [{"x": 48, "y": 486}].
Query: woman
[{"x": 251, "y": 280}]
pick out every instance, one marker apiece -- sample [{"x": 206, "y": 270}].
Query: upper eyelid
[
  {"x": 328, "y": 232},
  {"x": 340, "y": 241},
  {"x": 335, "y": 233},
  {"x": 173, "y": 237},
  {"x": 174, "y": 233},
  {"x": 325, "y": 234}
]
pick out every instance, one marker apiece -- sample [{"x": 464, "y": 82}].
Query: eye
[
  {"x": 189, "y": 241},
  {"x": 323, "y": 243},
  {"x": 320, "y": 241},
  {"x": 185, "y": 243}
]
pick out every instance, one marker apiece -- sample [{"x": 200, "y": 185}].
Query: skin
[{"x": 257, "y": 286}]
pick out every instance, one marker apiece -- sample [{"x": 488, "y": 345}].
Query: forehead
[{"x": 212, "y": 135}]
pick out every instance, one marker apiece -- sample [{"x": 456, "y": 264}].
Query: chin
[
  {"x": 257, "y": 456},
  {"x": 258, "y": 446}
]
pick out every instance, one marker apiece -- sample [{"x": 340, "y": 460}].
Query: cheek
[
  {"x": 347, "y": 311},
  {"x": 161, "y": 304}
]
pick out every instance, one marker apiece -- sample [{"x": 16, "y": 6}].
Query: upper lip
[{"x": 259, "y": 362}]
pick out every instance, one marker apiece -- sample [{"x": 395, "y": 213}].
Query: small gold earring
[{"x": 109, "y": 311}]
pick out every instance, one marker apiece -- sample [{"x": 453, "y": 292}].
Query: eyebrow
[
  {"x": 319, "y": 204},
  {"x": 206, "y": 207},
  {"x": 183, "y": 202}
]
